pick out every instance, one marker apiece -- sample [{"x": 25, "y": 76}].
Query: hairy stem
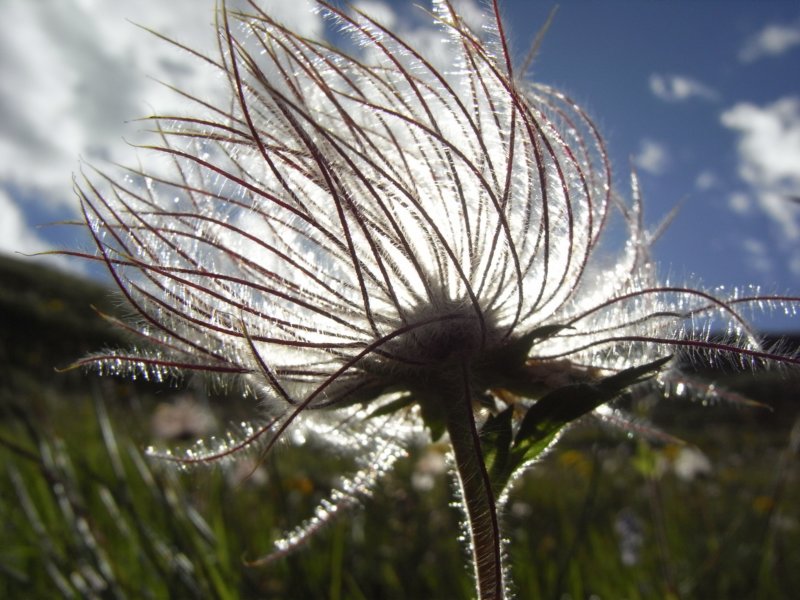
[{"x": 476, "y": 492}]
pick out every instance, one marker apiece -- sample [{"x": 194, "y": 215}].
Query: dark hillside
[{"x": 47, "y": 321}]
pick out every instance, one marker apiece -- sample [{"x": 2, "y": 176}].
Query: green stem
[{"x": 476, "y": 491}]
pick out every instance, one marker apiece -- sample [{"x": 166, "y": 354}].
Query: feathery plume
[{"x": 383, "y": 252}]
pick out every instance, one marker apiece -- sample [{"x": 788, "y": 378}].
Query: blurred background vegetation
[{"x": 606, "y": 515}]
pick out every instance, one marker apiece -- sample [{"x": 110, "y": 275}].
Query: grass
[{"x": 85, "y": 515}]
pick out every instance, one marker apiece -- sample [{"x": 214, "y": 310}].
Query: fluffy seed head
[{"x": 350, "y": 231}]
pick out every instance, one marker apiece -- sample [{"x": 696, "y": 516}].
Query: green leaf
[
  {"x": 557, "y": 409},
  {"x": 495, "y": 444},
  {"x": 503, "y": 366},
  {"x": 545, "y": 332},
  {"x": 645, "y": 461},
  {"x": 392, "y": 407},
  {"x": 629, "y": 377},
  {"x": 546, "y": 418},
  {"x": 566, "y": 404},
  {"x": 517, "y": 351},
  {"x": 433, "y": 416}
]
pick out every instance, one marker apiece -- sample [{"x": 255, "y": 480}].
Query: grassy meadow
[{"x": 606, "y": 515}]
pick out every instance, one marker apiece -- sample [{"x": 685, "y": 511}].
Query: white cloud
[
  {"x": 769, "y": 162},
  {"x": 472, "y": 13},
  {"x": 416, "y": 29},
  {"x": 769, "y": 143},
  {"x": 379, "y": 11},
  {"x": 653, "y": 157},
  {"x": 784, "y": 213},
  {"x": 756, "y": 255},
  {"x": 75, "y": 70},
  {"x": 706, "y": 180},
  {"x": 16, "y": 236},
  {"x": 740, "y": 203},
  {"x": 773, "y": 40},
  {"x": 678, "y": 88}
]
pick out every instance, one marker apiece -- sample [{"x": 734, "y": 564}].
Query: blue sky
[
  {"x": 703, "y": 97},
  {"x": 692, "y": 91}
]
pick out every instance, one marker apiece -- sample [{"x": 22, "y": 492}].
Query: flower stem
[{"x": 476, "y": 492}]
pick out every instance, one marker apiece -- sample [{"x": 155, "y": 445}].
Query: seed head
[{"x": 353, "y": 235}]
